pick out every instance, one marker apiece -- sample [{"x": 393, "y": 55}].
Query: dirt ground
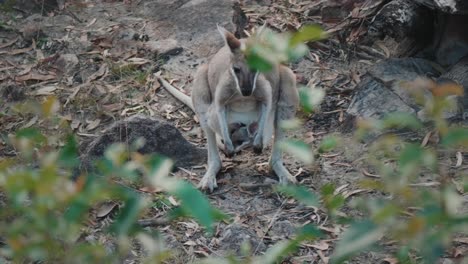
[{"x": 108, "y": 75}]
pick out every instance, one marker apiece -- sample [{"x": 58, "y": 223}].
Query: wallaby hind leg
[
  {"x": 286, "y": 109},
  {"x": 201, "y": 98}
]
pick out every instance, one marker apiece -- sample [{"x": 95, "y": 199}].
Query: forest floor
[{"x": 99, "y": 59}]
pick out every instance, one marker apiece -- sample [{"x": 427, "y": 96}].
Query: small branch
[
  {"x": 153, "y": 222},
  {"x": 249, "y": 186}
]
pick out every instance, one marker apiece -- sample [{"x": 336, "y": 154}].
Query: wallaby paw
[
  {"x": 229, "y": 150},
  {"x": 258, "y": 144},
  {"x": 208, "y": 182},
  {"x": 283, "y": 174}
]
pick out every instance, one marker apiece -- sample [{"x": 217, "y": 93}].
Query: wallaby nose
[{"x": 246, "y": 92}]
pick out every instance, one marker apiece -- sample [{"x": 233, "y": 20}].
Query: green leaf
[
  {"x": 308, "y": 232},
  {"x": 298, "y": 149},
  {"x": 456, "y": 136},
  {"x": 327, "y": 189},
  {"x": 68, "y": 155},
  {"x": 401, "y": 120},
  {"x": 301, "y": 193},
  {"x": 411, "y": 154},
  {"x": 257, "y": 62},
  {"x": 358, "y": 237},
  {"x": 328, "y": 144},
  {"x": 278, "y": 252},
  {"x": 195, "y": 204},
  {"x": 307, "y": 33},
  {"x": 80, "y": 203},
  {"x": 310, "y": 98},
  {"x": 128, "y": 216},
  {"x": 31, "y": 134}
]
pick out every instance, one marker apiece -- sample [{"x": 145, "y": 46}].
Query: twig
[
  {"x": 270, "y": 225},
  {"x": 153, "y": 222},
  {"x": 249, "y": 186}
]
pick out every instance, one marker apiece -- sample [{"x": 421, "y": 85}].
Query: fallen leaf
[
  {"x": 105, "y": 209},
  {"x": 459, "y": 159},
  {"x": 190, "y": 243},
  {"x": 31, "y": 122},
  {"x": 321, "y": 245},
  {"x": 463, "y": 240},
  {"x": 351, "y": 193},
  {"x": 47, "y": 90},
  {"x": 425, "y": 184},
  {"x": 390, "y": 260},
  {"x": 75, "y": 124},
  {"x": 20, "y": 51},
  {"x": 368, "y": 174},
  {"x": 93, "y": 124},
  {"x": 99, "y": 73},
  {"x": 173, "y": 201},
  {"x": 92, "y": 22},
  {"x": 9, "y": 43},
  {"x": 150, "y": 189},
  {"x": 35, "y": 77}
]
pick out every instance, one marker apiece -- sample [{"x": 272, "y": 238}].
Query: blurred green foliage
[
  {"x": 422, "y": 220},
  {"x": 43, "y": 211}
]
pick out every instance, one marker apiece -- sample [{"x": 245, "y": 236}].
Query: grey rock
[
  {"x": 382, "y": 89},
  {"x": 282, "y": 229},
  {"x": 67, "y": 64},
  {"x": 235, "y": 235},
  {"x": 160, "y": 137},
  {"x": 192, "y": 23},
  {"x": 452, "y": 6}
]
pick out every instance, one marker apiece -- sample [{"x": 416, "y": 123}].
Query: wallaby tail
[{"x": 176, "y": 93}]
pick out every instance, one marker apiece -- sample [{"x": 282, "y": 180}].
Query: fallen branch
[{"x": 162, "y": 221}]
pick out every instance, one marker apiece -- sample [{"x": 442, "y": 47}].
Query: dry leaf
[
  {"x": 173, "y": 201},
  {"x": 9, "y": 43},
  {"x": 47, "y": 90},
  {"x": 459, "y": 159},
  {"x": 93, "y": 124},
  {"x": 150, "y": 189},
  {"x": 320, "y": 245},
  {"x": 91, "y": 23},
  {"x": 390, "y": 260},
  {"x": 31, "y": 122},
  {"x": 105, "y": 209},
  {"x": 75, "y": 124},
  {"x": 35, "y": 77},
  {"x": 368, "y": 174}
]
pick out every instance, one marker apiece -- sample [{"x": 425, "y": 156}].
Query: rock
[
  {"x": 459, "y": 74},
  {"x": 282, "y": 229},
  {"x": 451, "y": 6},
  {"x": 11, "y": 92},
  {"x": 38, "y": 5},
  {"x": 450, "y": 39},
  {"x": 165, "y": 47},
  {"x": 160, "y": 137},
  {"x": 381, "y": 91},
  {"x": 193, "y": 24},
  {"x": 67, "y": 64},
  {"x": 405, "y": 21},
  {"x": 235, "y": 235}
]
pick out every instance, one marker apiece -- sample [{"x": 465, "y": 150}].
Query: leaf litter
[{"x": 113, "y": 81}]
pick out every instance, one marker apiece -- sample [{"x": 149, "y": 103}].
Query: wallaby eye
[{"x": 236, "y": 69}]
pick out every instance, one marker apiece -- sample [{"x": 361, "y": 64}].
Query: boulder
[
  {"x": 382, "y": 91},
  {"x": 448, "y": 6},
  {"x": 160, "y": 138},
  {"x": 235, "y": 235}
]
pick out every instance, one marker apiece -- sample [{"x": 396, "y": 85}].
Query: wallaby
[{"x": 232, "y": 100}]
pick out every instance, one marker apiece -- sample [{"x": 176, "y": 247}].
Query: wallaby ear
[{"x": 231, "y": 40}]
